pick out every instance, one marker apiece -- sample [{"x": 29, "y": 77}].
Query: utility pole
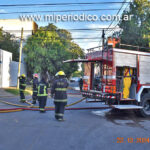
[
  {"x": 103, "y": 42},
  {"x": 20, "y": 56},
  {"x": 103, "y": 38}
]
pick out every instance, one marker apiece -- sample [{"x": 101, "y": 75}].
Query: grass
[{"x": 15, "y": 91}]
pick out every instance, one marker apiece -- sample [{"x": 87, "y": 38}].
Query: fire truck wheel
[{"x": 145, "y": 112}]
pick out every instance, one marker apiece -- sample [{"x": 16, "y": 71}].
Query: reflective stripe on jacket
[
  {"x": 42, "y": 89},
  {"x": 60, "y": 100},
  {"x": 59, "y": 88},
  {"x": 22, "y": 83}
]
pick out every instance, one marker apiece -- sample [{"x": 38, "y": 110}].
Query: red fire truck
[{"x": 124, "y": 78}]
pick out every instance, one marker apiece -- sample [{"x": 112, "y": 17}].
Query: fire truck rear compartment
[
  {"x": 115, "y": 98},
  {"x": 120, "y": 81}
]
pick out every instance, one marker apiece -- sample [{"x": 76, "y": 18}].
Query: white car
[{"x": 75, "y": 79}]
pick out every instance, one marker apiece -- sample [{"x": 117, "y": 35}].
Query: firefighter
[
  {"x": 59, "y": 91},
  {"x": 42, "y": 94},
  {"x": 81, "y": 84},
  {"x": 22, "y": 87},
  {"x": 35, "y": 88}
]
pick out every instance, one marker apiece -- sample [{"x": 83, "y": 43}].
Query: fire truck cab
[{"x": 118, "y": 77}]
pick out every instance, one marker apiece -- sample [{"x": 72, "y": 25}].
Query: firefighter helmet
[
  {"x": 61, "y": 73},
  {"x": 56, "y": 74},
  {"x": 23, "y": 75},
  {"x": 36, "y": 75}
]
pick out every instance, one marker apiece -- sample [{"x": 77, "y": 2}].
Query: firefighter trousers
[
  {"x": 22, "y": 96},
  {"x": 34, "y": 96},
  {"x": 81, "y": 86},
  {"x": 59, "y": 109},
  {"x": 42, "y": 102}
]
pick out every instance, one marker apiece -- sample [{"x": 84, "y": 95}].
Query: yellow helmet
[
  {"x": 61, "y": 73},
  {"x": 23, "y": 75}
]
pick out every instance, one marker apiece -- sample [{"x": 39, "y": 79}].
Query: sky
[{"x": 83, "y": 43}]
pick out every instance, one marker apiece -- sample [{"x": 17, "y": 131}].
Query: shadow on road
[{"x": 125, "y": 117}]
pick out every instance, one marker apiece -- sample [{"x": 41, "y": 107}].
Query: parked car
[{"x": 75, "y": 79}]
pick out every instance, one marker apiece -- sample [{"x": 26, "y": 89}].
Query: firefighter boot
[
  {"x": 34, "y": 97},
  {"x": 34, "y": 102},
  {"x": 22, "y": 97},
  {"x": 42, "y": 110},
  {"x": 61, "y": 119},
  {"x": 22, "y": 100}
]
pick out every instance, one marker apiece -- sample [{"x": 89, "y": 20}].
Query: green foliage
[
  {"x": 77, "y": 74},
  {"x": 48, "y": 48},
  {"x": 8, "y": 43},
  {"x": 15, "y": 91},
  {"x": 137, "y": 30}
]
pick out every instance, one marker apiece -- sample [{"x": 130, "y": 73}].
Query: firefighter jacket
[
  {"x": 59, "y": 90},
  {"x": 22, "y": 83},
  {"x": 35, "y": 83},
  {"x": 42, "y": 88}
]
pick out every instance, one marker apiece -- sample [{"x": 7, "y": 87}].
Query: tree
[
  {"x": 136, "y": 30},
  {"x": 8, "y": 43},
  {"x": 48, "y": 48}
]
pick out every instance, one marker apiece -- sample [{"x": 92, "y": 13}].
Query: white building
[
  {"x": 13, "y": 26},
  {"x": 5, "y": 60},
  {"x": 8, "y": 70}
]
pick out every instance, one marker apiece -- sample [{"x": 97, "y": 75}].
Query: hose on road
[
  {"x": 36, "y": 108},
  {"x": 48, "y": 109},
  {"x": 31, "y": 105}
]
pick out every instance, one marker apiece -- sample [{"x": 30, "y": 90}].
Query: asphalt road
[{"x": 82, "y": 130}]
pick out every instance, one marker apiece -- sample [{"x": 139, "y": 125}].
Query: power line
[
  {"x": 64, "y": 39},
  {"x": 61, "y": 4},
  {"x": 59, "y": 39},
  {"x": 113, "y": 20},
  {"x": 73, "y": 29},
  {"x": 117, "y": 23},
  {"x": 25, "y": 12},
  {"x": 71, "y": 41},
  {"x": 116, "y": 15}
]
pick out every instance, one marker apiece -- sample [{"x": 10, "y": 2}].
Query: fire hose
[
  {"x": 74, "y": 93},
  {"x": 35, "y": 108},
  {"x": 48, "y": 109},
  {"x": 31, "y": 106}
]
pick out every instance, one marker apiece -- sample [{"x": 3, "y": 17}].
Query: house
[{"x": 13, "y": 26}]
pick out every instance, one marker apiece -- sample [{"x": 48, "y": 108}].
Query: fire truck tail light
[{"x": 110, "y": 89}]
